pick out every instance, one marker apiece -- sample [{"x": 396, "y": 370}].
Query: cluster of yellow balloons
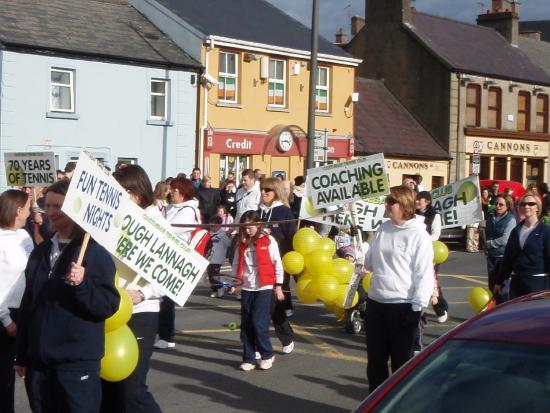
[
  {"x": 121, "y": 348},
  {"x": 481, "y": 299},
  {"x": 322, "y": 277}
]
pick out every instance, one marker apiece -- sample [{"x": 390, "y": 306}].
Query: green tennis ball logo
[
  {"x": 77, "y": 205},
  {"x": 467, "y": 192},
  {"x": 232, "y": 326},
  {"x": 118, "y": 220}
]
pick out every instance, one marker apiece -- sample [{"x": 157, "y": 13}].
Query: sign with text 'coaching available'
[
  {"x": 30, "y": 168},
  {"x": 345, "y": 182},
  {"x": 98, "y": 203}
]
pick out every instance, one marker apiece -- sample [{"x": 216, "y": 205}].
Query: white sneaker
[
  {"x": 220, "y": 292},
  {"x": 214, "y": 294},
  {"x": 442, "y": 318},
  {"x": 257, "y": 355},
  {"x": 288, "y": 349},
  {"x": 267, "y": 363},
  {"x": 247, "y": 366},
  {"x": 163, "y": 344}
]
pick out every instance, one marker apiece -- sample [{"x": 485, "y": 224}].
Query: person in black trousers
[{"x": 274, "y": 207}]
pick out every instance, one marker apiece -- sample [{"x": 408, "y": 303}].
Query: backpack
[{"x": 201, "y": 241}]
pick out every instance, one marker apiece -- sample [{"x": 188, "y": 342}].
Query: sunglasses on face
[
  {"x": 531, "y": 204},
  {"x": 267, "y": 190},
  {"x": 391, "y": 201}
]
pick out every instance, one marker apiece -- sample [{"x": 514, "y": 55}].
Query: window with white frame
[
  {"x": 159, "y": 99},
  {"x": 322, "y": 90},
  {"x": 62, "y": 90},
  {"x": 227, "y": 76},
  {"x": 276, "y": 83}
]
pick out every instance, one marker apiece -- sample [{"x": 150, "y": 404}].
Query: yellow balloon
[
  {"x": 339, "y": 312},
  {"x": 305, "y": 240},
  {"x": 342, "y": 269},
  {"x": 121, "y": 354},
  {"x": 304, "y": 293},
  {"x": 441, "y": 252},
  {"x": 293, "y": 262},
  {"x": 123, "y": 313},
  {"x": 342, "y": 294},
  {"x": 319, "y": 262},
  {"x": 327, "y": 245},
  {"x": 326, "y": 287},
  {"x": 366, "y": 281},
  {"x": 478, "y": 298}
]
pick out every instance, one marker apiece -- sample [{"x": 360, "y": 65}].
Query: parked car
[
  {"x": 499, "y": 361},
  {"x": 517, "y": 188}
]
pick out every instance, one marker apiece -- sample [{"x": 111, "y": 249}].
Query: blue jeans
[{"x": 255, "y": 319}]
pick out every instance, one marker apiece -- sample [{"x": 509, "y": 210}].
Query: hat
[{"x": 424, "y": 195}]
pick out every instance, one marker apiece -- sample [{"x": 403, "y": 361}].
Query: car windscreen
[{"x": 470, "y": 376}]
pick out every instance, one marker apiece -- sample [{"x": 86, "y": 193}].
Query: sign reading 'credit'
[
  {"x": 347, "y": 182},
  {"x": 30, "y": 168}
]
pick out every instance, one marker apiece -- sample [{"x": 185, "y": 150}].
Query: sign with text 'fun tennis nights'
[
  {"x": 30, "y": 169},
  {"x": 345, "y": 182},
  {"x": 98, "y": 203}
]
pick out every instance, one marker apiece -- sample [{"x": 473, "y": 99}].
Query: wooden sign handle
[{"x": 83, "y": 248}]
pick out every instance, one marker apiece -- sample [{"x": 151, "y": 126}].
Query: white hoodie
[
  {"x": 185, "y": 213},
  {"x": 15, "y": 248},
  {"x": 401, "y": 259}
]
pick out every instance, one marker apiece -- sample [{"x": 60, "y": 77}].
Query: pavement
[{"x": 324, "y": 373}]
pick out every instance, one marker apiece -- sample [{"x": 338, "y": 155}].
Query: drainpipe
[
  {"x": 200, "y": 161},
  {"x": 458, "y": 140}
]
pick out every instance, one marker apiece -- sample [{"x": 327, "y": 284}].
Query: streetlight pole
[{"x": 312, "y": 85}]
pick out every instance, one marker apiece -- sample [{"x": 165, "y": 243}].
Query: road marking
[{"x": 469, "y": 278}]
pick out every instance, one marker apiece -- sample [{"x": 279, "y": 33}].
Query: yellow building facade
[{"x": 253, "y": 109}]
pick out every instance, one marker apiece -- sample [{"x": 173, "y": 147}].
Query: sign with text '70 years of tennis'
[
  {"x": 98, "y": 203},
  {"x": 349, "y": 181},
  {"x": 30, "y": 168}
]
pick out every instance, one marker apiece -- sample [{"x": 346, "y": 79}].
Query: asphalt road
[{"x": 325, "y": 372}]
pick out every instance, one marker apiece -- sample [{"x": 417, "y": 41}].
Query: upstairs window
[
  {"x": 494, "y": 109},
  {"x": 277, "y": 80},
  {"x": 62, "y": 90},
  {"x": 524, "y": 109},
  {"x": 227, "y": 76},
  {"x": 322, "y": 90},
  {"x": 542, "y": 113},
  {"x": 159, "y": 99},
  {"x": 473, "y": 105}
]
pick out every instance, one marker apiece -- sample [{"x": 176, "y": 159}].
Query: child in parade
[
  {"x": 220, "y": 244},
  {"x": 257, "y": 263}
]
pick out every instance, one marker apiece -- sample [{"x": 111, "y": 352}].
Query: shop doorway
[
  {"x": 233, "y": 163},
  {"x": 535, "y": 171}
]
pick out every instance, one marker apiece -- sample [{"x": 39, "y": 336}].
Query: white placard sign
[
  {"x": 458, "y": 203},
  {"x": 98, "y": 203},
  {"x": 346, "y": 182},
  {"x": 30, "y": 169}
]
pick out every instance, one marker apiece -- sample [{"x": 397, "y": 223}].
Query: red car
[
  {"x": 499, "y": 361},
  {"x": 516, "y": 187}
]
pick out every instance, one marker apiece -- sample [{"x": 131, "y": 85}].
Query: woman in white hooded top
[
  {"x": 401, "y": 259},
  {"x": 15, "y": 248}
]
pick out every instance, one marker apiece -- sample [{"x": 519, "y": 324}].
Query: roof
[
  {"x": 251, "y": 20},
  {"x": 523, "y": 321},
  {"x": 97, "y": 28},
  {"x": 382, "y": 124},
  {"x": 475, "y": 49},
  {"x": 542, "y": 26},
  {"x": 538, "y": 51}
]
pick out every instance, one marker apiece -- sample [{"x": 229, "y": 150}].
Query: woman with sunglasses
[
  {"x": 527, "y": 254},
  {"x": 500, "y": 224},
  {"x": 401, "y": 261},
  {"x": 274, "y": 207}
]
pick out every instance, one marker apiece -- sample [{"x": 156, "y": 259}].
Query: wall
[{"x": 112, "y": 104}]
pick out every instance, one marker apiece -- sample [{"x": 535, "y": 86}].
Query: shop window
[
  {"x": 542, "y": 113},
  {"x": 437, "y": 181},
  {"x": 516, "y": 169},
  {"x": 494, "y": 109},
  {"x": 535, "y": 172},
  {"x": 233, "y": 163},
  {"x": 62, "y": 90},
  {"x": 276, "y": 83},
  {"x": 228, "y": 77},
  {"x": 484, "y": 167},
  {"x": 322, "y": 90},
  {"x": 499, "y": 168},
  {"x": 524, "y": 109},
  {"x": 473, "y": 105}
]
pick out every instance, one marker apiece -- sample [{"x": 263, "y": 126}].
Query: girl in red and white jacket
[{"x": 257, "y": 263}]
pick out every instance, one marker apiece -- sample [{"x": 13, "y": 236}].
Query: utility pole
[{"x": 312, "y": 85}]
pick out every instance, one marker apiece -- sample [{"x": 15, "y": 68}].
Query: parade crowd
[{"x": 55, "y": 294}]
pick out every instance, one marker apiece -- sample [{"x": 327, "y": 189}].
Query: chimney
[
  {"x": 341, "y": 37},
  {"x": 357, "y": 23},
  {"x": 504, "y": 18},
  {"x": 387, "y": 13},
  {"x": 531, "y": 34}
]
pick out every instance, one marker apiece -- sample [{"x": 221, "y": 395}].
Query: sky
[{"x": 334, "y": 14}]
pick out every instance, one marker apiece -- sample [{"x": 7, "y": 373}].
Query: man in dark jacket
[{"x": 61, "y": 330}]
